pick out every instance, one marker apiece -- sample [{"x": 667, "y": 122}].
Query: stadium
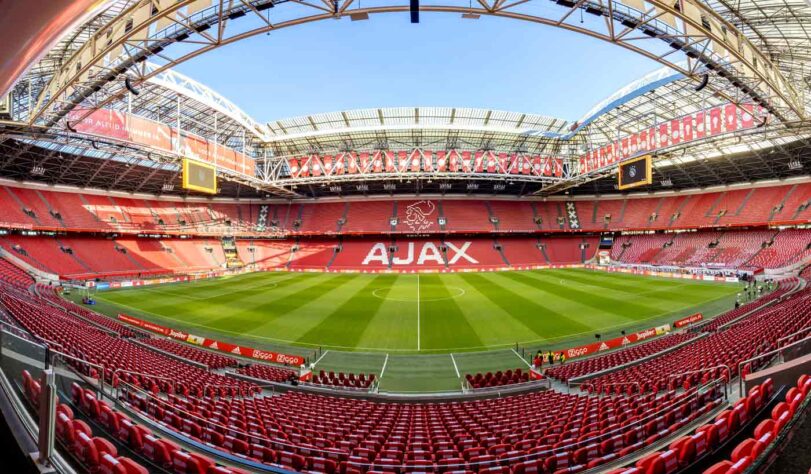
[{"x": 192, "y": 283}]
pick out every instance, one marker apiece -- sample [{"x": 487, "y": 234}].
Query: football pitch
[
  {"x": 424, "y": 331},
  {"x": 418, "y": 313}
]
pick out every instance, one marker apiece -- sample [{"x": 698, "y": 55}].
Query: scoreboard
[
  {"x": 636, "y": 172},
  {"x": 198, "y": 176}
]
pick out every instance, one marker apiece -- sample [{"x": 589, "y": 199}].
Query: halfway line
[{"x": 418, "y": 311}]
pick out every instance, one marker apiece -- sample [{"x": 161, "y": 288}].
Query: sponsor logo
[
  {"x": 693, "y": 318},
  {"x": 417, "y": 215},
  {"x": 178, "y": 334},
  {"x": 645, "y": 334},
  {"x": 577, "y": 352}
]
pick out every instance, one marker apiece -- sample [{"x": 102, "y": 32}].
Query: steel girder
[{"x": 169, "y": 32}]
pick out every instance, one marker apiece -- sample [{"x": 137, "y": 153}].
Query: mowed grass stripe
[
  {"x": 394, "y": 326},
  {"x": 346, "y": 324},
  {"x": 196, "y": 293},
  {"x": 443, "y": 323},
  {"x": 492, "y": 323},
  {"x": 252, "y": 317},
  {"x": 668, "y": 295},
  {"x": 208, "y": 309},
  {"x": 645, "y": 288},
  {"x": 598, "y": 300},
  {"x": 299, "y": 320},
  {"x": 541, "y": 319}
]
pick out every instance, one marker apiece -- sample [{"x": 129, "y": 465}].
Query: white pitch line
[
  {"x": 522, "y": 359},
  {"x": 455, "y": 367},
  {"x": 319, "y": 359},
  {"x": 384, "y": 366},
  {"x": 418, "y": 311}
]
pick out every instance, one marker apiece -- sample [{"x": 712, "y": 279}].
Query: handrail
[
  {"x": 778, "y": 352},
  {"x": 264, "y": 439},
  {"x": 21, "y": 330},
  {"x": 91, "y": 364},
  {"x": 804, "y": 330},
  {"x": 698, "y": 371},
  {"x": 496, "y": 388},
  {"x": 719, "y": 366},
  {"x": 239, "y": 388},
  {"x": 124, "y": 371},
  {"x": 594, "y": 386}
]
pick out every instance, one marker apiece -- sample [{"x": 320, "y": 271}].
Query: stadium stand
[
  {"x": 716, "y": 355},
  {"x": 617, "y": 358},
  {"x": 769, "y": 429},
  {"x": 123, "y": 360},
  {"x": 88, "y": 212},
  {"x": 466, "y": 216},
  {"x": 50, "y": 294},
  {"x": 207, "y": 358},
  {"x": 558, "y": 430},
  {"x": 13, "y": 276},
  {"x": 708, "y": 440},
  {"x": 497, "y": 379},
  {"x": 267, "y": 372},
  {"x": 342, "y": 380},
  {"x": 729, "y": 249},
  {"x": 95, "y": 454}
]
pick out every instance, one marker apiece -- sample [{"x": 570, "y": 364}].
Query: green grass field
[{"x": 422, "y": 328}]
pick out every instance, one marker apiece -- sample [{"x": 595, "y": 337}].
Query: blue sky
[{"x": 443, "y": 61}]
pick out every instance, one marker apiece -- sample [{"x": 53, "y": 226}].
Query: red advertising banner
[
  {"x": 684, "y": 129},
  {"x": 615, "y": 343},
  {"x": 212, "y": 344},
  {"x": 693, "y": 318},
  {"x": 132, "y": 128}
]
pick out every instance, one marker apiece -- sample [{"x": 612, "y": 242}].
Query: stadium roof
[{"x": 773, "y": 34}]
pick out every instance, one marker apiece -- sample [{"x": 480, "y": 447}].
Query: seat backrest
[
  {"x": 743, "y": 449},
  {"x": 132, "y": 467},
  {"x": 765, "y": 426},
  {"x": 110, "y": 465}
]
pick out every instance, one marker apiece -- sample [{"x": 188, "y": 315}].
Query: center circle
[{"x": 455, "y": 291}]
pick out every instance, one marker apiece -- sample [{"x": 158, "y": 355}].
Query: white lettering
[
  {"x": 379, "y": 253},
  {"x": 460, "y": 253},
  {"x": 429, "y": 253}
]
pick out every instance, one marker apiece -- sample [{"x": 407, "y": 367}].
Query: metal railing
[
  {"x": 115, "y": 381},
  {"x": 775, "y": 353},
  {"x": 593, "y": 385},
  {"x": 784, "y": 338},
  {"x": 101, "y": 368}
]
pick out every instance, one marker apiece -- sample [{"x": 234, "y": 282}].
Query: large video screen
[
  {"x": 199, "y": 176},
  {"x": 636, "y": 172}
]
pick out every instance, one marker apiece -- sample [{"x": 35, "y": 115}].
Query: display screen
[
  {"x": 199, "y": 176},
  {"x": 636, "y": 172}
]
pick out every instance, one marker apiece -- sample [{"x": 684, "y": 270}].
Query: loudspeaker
[
  {"x": 129, "y": 87},
  {"x": 415, "y": 11},
  {"x": 704, "y": 81}
]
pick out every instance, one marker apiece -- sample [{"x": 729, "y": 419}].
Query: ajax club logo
[{"x": 417, "y": 215}]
